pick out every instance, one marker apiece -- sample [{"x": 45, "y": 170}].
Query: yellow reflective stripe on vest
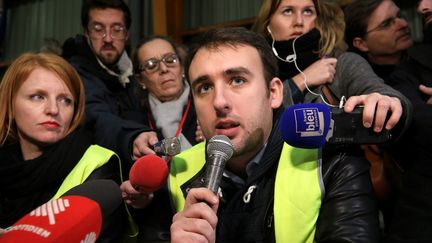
[
  {"x": 94, "y": 157},
  {"x": 297, "y": 189},
  {"x": 297, "y": 197},
  {"x": 181, "y": 171}
]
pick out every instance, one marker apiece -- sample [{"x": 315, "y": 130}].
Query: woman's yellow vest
[
  {"x": 297, "y": 194},
  {"x": 94, "y": 157}
]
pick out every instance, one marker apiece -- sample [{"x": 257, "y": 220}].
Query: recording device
[
  {"x": 75, "y": 217},
  {"x": 348, "y": 129},
  {"x": 167, "y": 146},
  {"x": 148, "y": 173},
  {"x": 219, "y": 151},
  {"x": 313, "y": 125}
]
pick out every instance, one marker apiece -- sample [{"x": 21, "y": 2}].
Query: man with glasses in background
[
  {"x": 100, "y": 58},
  {"x": 376, "y": 30},
  {"x": 413, "y": 215}
]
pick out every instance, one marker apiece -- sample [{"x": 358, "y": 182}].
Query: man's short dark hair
[
  {"x": 357, "y": 16},
  {"x": 104, "y": 4},
  {"x": 236, "y": 36}
]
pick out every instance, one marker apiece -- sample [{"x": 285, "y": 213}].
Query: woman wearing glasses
[
  {"x": 165, "y": 95},
  {"x": 167, "y": 104}
]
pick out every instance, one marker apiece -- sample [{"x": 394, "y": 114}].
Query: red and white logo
[{"x": 50, "y": 209}]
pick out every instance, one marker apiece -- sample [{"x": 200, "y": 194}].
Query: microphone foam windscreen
[
  {"x": 305, "y": 125},
  {"x": 66, "y": 219},
  {"x": 148, "y": 173}
]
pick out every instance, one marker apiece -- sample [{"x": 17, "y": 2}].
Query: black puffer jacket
[
  {"x": 348, "y": 211},
  {"x": 112, "y": 110}
]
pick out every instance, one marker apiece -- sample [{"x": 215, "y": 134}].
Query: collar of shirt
[{"x": 253, "y": 163}]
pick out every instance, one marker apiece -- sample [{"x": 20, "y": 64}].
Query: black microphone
[
  {"x": 219, "y": 151},
  {"x": 103, "y": 191},
  {"x": 167, "y": 146}
]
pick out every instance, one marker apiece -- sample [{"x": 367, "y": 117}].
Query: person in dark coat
[
  {"x": 412, "y": 216},
  {"x": 99, "y": 56}
]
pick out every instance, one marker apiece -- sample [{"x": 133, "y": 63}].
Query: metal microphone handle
[{"x": 214, "y": 172}]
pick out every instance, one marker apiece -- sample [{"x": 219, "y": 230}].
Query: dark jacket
[
  {"x": 348, "y": 212},
  {"x": 412, "y": 216},
  {"x": 112, "y": 110},
  {"x": 406, "y": 79}
]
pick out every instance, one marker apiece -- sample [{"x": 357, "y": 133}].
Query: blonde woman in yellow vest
[
  {"x": 44, "y": 152},
  {"x": 270, "y": 192}
]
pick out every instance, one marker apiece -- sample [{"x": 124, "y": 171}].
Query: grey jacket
[{"x": 354, "y": 76}]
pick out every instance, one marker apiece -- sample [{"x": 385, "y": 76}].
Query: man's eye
[
  {"x": 117, "y": 29},
  {"x": 98, "y": 28},
  {"x": 203, "y": 89},
  {"x": 237, "y": 81}
]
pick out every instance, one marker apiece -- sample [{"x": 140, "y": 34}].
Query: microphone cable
[{"x": 293, "y": 58}]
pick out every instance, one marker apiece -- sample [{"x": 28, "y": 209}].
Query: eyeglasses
[
  {"x": 386, "y": 24},
  {"x": 153, "y": 64},
  {"x": 98, "y": 31}
]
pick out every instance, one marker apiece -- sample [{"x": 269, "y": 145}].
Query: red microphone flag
[{"x": 66, "y": 219}]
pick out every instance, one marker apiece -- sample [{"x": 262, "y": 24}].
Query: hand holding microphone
[
  {"x": 313, "y": 125},
  {"x": 135, "y": 198},
  {"x": 148, "y": 174},
  {"x": 201, "y": 204}
]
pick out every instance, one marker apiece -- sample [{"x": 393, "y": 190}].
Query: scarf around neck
[
  {"x": 25, "y": 184},
  {"x": 168, "y": 115},
  {"x": 306, "y": 48}
]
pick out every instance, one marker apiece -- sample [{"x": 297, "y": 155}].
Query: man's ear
[
  {"x": 360, "y": 44},
  {"x": 127, "y": 36},
  {"x": 276, "y": 93}
]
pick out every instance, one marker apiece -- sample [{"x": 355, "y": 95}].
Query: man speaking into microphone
[{"x": 269, "y": 190}]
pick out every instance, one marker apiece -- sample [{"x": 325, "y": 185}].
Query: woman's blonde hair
[
  {"x": 330, "y": 23},
  {"x": 17, "y": 74}
]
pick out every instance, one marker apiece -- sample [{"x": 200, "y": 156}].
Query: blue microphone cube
[{"x": 305, "y": 125}]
